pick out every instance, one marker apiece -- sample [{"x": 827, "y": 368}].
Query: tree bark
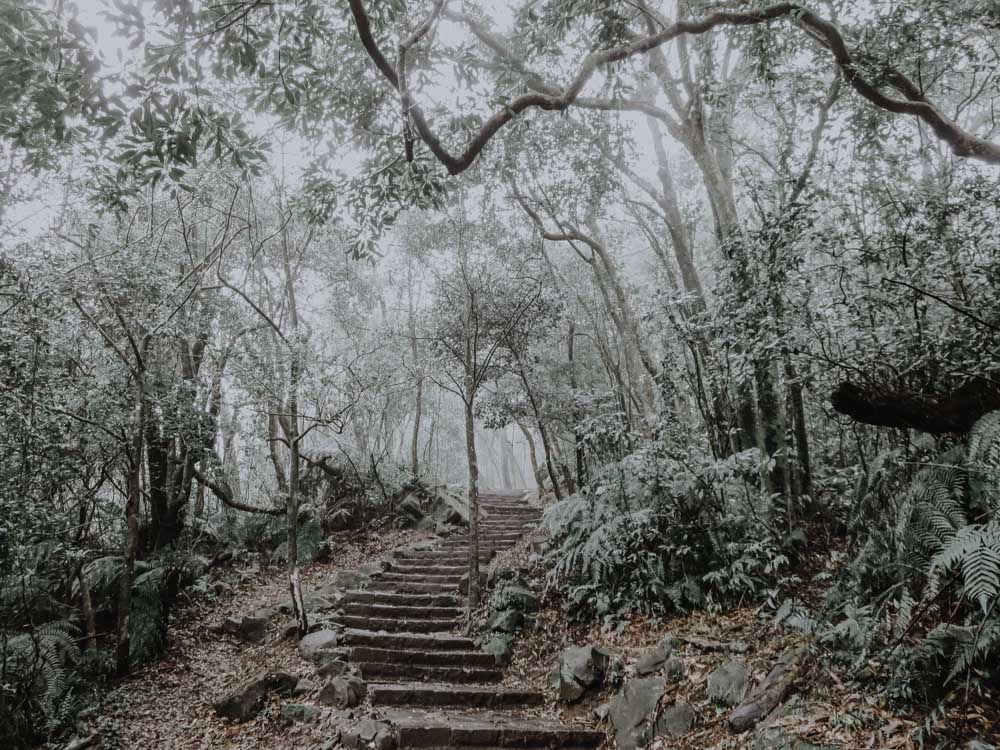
[{"x": 955, "y": 411}]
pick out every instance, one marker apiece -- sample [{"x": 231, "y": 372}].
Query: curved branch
[{"x": 962, "y": 143}]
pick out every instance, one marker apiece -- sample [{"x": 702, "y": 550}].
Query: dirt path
[{"x": 167, "y": 706}]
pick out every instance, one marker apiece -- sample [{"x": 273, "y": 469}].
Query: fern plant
[{"x": 36, "y": 679}]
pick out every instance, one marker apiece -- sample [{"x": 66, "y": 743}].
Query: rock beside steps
[{"x": 434, "y": 686}]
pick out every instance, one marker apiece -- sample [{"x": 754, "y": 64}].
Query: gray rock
[
  {"x": 632, "y": 712},
  {"x": 318, "y": 646},
  {"x": 410, "y": 505},
  {"x": 300, "y": 713},
  {"x": 248, "y": 699},
  {"x": 727, "y": 683},
  {"x": 675, "y": 721},
  {"x": 346, "y": 691},
  {"x": 303, "y": 686},
  {"x": 978, "y": 745},
  {"x": 368, "y": 733},
  {"x": 507, "y": 621},
  {"x": 579, "y": 668},
  {"x": 601, "y": 712},
  {"x": 522, "y": 598},
  {"x": 334, "y": 667},
  {"x": 349, "y": 579},
  {"x": 254, "y": 629},
  {"x": 651, "y": 660},
  {"x": 501, "y": 647}
]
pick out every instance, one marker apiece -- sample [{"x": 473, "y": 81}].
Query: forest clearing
[{"x": 530, "y": 374}]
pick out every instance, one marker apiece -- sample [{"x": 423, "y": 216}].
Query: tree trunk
[
  {"x": 470, "y": 448},
  {"x": 533, "y": 455},
  {"x": 546, "y": 445},
  {"x": 290, "y": 422},
  {"x": 132, "y": 502},
  {"x": 581, "y": 470},
  {"x": 418, "y": 384},
  {"x": 802, "y": 460}
]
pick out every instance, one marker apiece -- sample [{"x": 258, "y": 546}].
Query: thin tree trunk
[
  {"x": 533, "y": 454},
  {"x": 132, "y": 501},
  {"x": 418, "y": 385}
]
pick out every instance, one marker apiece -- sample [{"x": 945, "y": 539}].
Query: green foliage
[
  {"x": 636, "y": 542},
  {"x": 922, "y": 589},
  {"x": 36, "y": 681}
]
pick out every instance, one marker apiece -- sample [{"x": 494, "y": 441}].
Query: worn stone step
[
  {"x": 483, "y": 539},
  {"x": 439, "y": 729},
  {"x": 452, "y": 557},
  {"x": 476, "y": 659},
  {"x": 411, "y": 577},
  {"x": 368, "y": 596},
  {"x": 397, "y": 624},
  {"x": 403, "y": 565},
  {"x": 380, "y": 611},
  {"x": 411, "y": 641},
  {"x": 412, "y": 587},
  {"x": 442, "y": 694},
  {"x": 387, "y": 670}
]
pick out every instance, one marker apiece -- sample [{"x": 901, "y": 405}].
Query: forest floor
[
  {"x": 169, "y": 703},
  {"x": 831, "y": 711}
]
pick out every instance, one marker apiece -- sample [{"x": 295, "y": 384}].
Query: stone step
[
  {"x": 409, "y": 641},
  {"x": 413, "y": 577},
  {"x": 452, "y": 557},
  {"x": 396, "y": 624},
  {"x": 412, "y": 587},
  {"x": 439, "y": 729},
  {"x": 484, "y": 539},
  {"x": 477, "y": 659},
  {"x": 406, "y": 600},
  {"x": 439, "y": 694},
  {"x": 387, "y": 670},
  {"x": 380, "y": 611},
  {"x": 417, "y": 566}
]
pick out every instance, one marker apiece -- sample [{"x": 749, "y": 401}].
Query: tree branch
[{"x": 914, "y": 103}]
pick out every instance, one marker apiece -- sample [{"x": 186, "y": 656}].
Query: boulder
[
  {"x": 318, "y": 646},
  {"x": 368, "y": 733},
  {"x": 410, "y": 506},
  {"x": 303, "y": 686},
  {"x": 507, "y": 621},
  {"x": 500, "y": 646},
  {"x": 253, "y": 629},
  {"x": 521, "y": 598},
  {"x": 346, "y": 691},
  {"x": 349, "y": 579},
  {"x": 579, "y": 668},
  {"x": 300, "y": 713},
  {"x": 632, "y": 712},
  {"x": 652, "y": 660},
  {"x": 727, "y": 683},
  {"x": 334, "y": 667},
  {"x": 675, "y": 720},
  {"x": 248, "y": 699}
]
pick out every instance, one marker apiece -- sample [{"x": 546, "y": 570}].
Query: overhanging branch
[{"x": 914, "y": 103}]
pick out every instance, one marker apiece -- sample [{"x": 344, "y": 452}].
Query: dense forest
[{"x": 284, "y": 283}]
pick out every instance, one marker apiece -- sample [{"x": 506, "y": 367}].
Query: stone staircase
[{"x": 435, "y": 686}]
